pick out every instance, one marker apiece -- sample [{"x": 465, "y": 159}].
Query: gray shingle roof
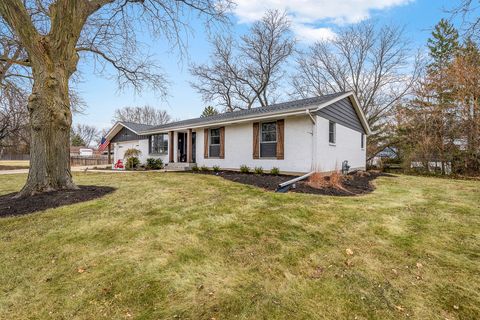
[
  {"x": 137, "y": 127},
  {"x": 286, "y": 106}
]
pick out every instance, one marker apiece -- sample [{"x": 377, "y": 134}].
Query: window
[
  {"x": 159, "y": 143},
  {"x": 268, "y": 140},
  {"x": 214, "y": 150},
  {"x": 332, "y": 132},
  {"x": 362, "y": 143}
]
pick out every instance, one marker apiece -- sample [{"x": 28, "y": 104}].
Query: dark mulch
[
  {"x": 353, "y": 184},
  {"x": 11, "y": 206}
]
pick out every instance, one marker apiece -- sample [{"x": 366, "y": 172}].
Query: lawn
[
  {"x": 182, "y": 246},
  {"x": 14, "y": 164}
]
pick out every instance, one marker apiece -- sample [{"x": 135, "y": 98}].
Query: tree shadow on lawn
[{"x": 11, "y": 206}]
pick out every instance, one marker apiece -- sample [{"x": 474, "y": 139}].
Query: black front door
[
  {"x": 194, "y": 147},
  {"x": 182, "y": 147}
]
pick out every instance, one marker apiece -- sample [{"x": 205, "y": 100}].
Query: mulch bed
[
  {"x": 353, "y": 184},
  {"x": 11, "y": 206}
]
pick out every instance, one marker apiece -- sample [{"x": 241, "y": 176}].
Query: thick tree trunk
[{"x": 50, "y": 122}]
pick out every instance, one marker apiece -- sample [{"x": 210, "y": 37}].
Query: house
[
  {"x": 314, "y": 134},
  {"x": 83, "y": 152}
]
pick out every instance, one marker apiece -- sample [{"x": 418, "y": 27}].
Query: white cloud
[
  {"x": 311, "y": 34},
  {"x": 304, "y": 13}
]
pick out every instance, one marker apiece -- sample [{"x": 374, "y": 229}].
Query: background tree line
[{"x": 441, "y": 122}]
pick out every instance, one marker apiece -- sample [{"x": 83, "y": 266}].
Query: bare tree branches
[
  {"x": 376, "y": 65},
  {"x": 86, "y": 133},
  {"x": 245, "y": 74},
  {"x": 13, "y": 117},
  {"x": 469, "y": 11},
  {"x": 144, "y": 115}
]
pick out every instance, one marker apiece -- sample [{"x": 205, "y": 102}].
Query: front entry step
[{"x": 179, "y": 166}]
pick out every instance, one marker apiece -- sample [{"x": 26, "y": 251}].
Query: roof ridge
[{"x": 233, "y": 114}]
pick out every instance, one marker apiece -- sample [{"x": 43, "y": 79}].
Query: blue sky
[{"x": 311, "y": 19}]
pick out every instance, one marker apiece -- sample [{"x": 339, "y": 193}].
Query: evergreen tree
[
  {"x": 76, "y": 140},
  {"x": 443, "y": 45},
  {"x": 209, "y": 111}
]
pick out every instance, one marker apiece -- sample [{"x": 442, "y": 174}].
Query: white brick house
[{"x": 315, "y": 134}]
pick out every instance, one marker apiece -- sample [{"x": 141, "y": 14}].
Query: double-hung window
[
  {"x": 214, "y": 148},
  {"x": 332, "y": 135},
  {"x": 268, "y": 140},
  {"x": 159, "y": 143}
]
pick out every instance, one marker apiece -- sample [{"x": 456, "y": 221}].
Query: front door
[
  {"x": 194, "y": 148},
  {"x": 182, "y": 147}
]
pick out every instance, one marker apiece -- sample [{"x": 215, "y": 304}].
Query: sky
[{"x": 311, "y": 20}]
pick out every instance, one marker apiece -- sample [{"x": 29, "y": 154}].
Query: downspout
[
  {"x": 285, "y": 186},
  {"x": 314, "y": 141}
]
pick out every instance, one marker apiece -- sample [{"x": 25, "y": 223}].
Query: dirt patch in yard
[
  {"x": 352, "y": 184},
  {"x": 11, "y": 206}
]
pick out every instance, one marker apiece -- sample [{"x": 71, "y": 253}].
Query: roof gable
[{"x": 344, "y": 113}]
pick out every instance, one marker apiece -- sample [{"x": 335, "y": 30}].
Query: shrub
[
  {"x": 154, "y": 164},
  {"x": 244, "y": 169},
  {"x": 195, "y": 168},
  {"x": 132, "y": 163},
  {"x": 132, "y": 152},
  {"x": 204, "y": 168},
  {"x": 275, "y": 171},
  {"x": 332, "y": 180},
  {"x": 258, "y": 170},
  {"x": 216, "y": 168}
]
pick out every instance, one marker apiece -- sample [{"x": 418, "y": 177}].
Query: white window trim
[
  {"x": 210, "y": 142},
  {"x": 334, "y": 143},
  {"x": 261, "y": 132},
  {"x": 150, "y": 144},
  {"x": 261, "y": 141}
]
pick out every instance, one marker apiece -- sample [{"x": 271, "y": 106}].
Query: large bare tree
[
  {"x": 242, "y": 75},
  {"x": 144, "y": 115},
  {"x": 56, "y": 33},
  {"x": 375, "y": 62}
]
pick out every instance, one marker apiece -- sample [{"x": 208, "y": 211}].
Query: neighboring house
[
  {"x": 387, "y": 154},
  {"x": 315, "y": 134},
  {"x": 83, "y": 152}
]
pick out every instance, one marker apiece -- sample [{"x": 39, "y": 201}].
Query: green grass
[
  {"x": 14, "y": 164},
  {"x": 180, "y": 246}
]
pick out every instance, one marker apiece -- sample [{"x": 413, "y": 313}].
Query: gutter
[
  {"x": 285, "y": 186},
  {"x": 307, "y": 111},
  {"x": 226, "y": 122}
]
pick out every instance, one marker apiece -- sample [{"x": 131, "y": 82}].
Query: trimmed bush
[
  {"x": 244, "y": 169},
  {"x": 133, "y": 163},
  {"x": 258, "y": 170},
  {"x": 195, "y": 168},
  {"x": 204, "y": 168},
  {"x": 216, "y": 168},
  {"x": 275, "y": 171},
  {"x": 154, "y": 164}
]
